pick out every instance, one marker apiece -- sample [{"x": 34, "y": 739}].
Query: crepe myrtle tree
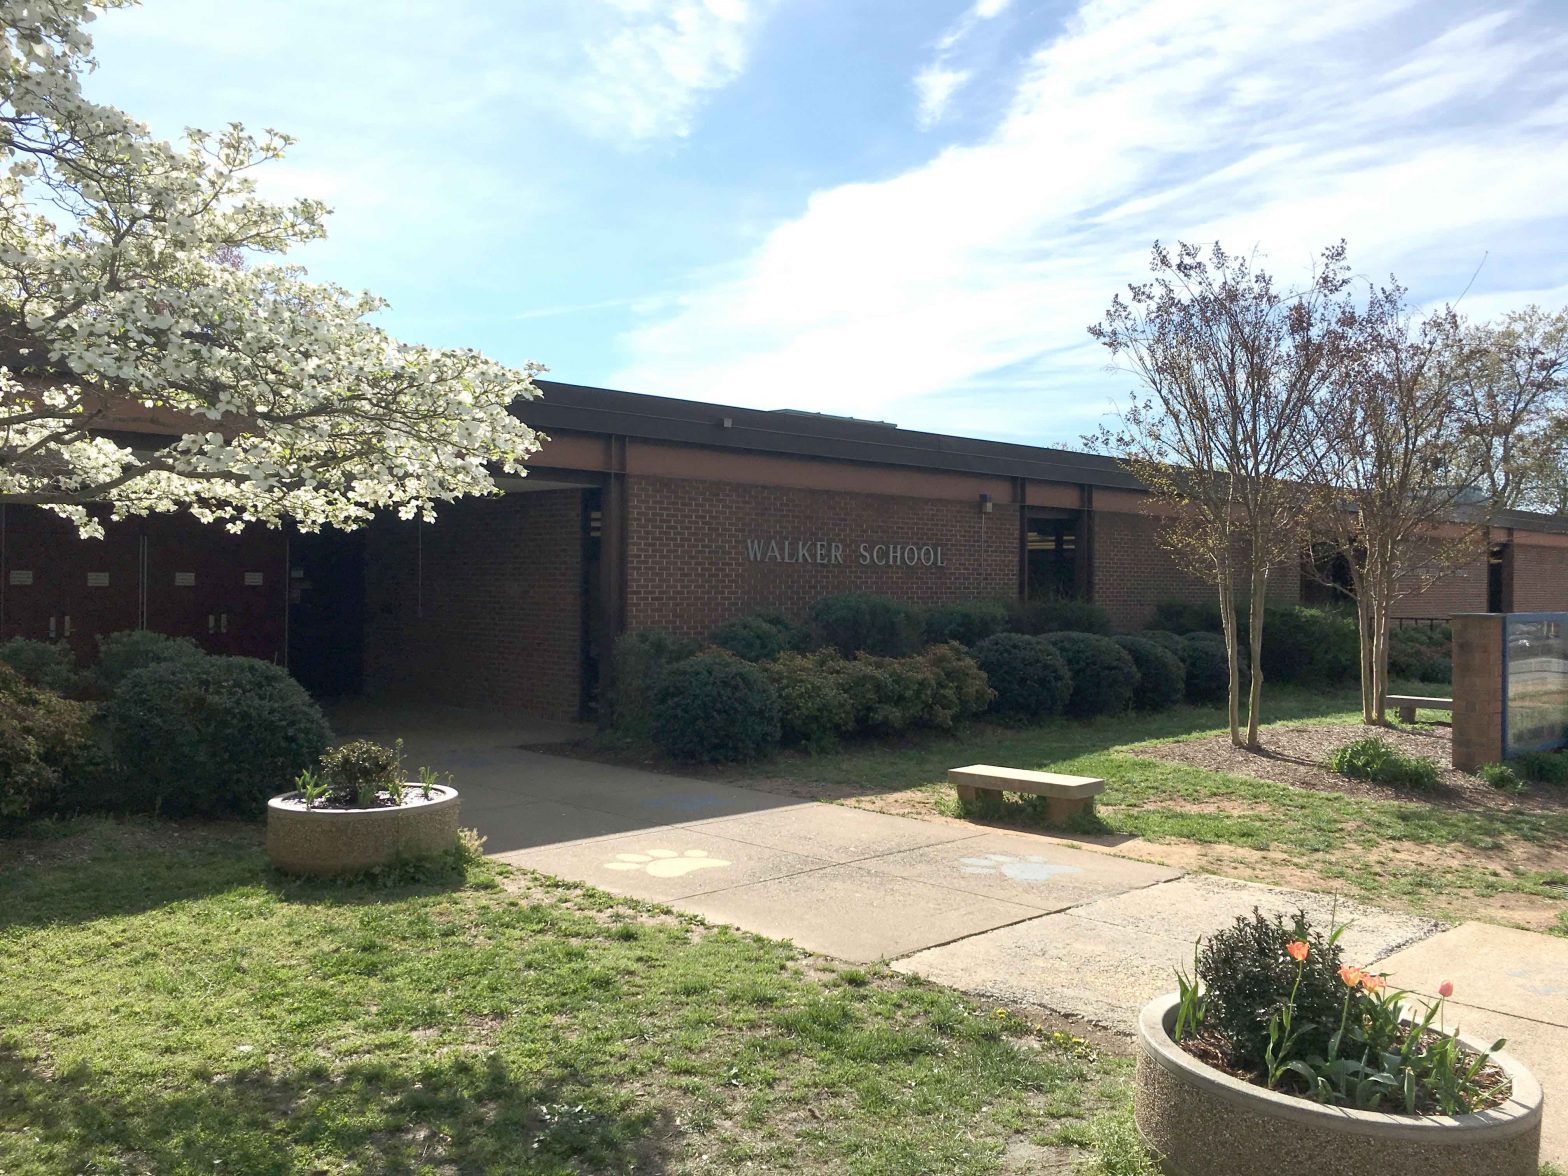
[
  {"x": 141, "y": 286},
  {"x": 1404, "y": 491},
  {"x": 1231, "y": 367}
]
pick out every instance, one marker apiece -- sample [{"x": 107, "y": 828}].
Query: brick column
[{"x": 1478, "y": 689}]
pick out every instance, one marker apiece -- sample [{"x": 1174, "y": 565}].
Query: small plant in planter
[
  {"x": 1275, "y": 1046},
  {"x": 356, "y": 811}
]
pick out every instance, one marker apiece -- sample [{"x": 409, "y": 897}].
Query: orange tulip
[
  {"x": 1351, "y": 976},
  {"x": 1372, "y": 983},
  {"x": 1297, "y": 950}
]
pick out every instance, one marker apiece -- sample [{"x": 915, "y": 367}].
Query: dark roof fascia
[
  {"x": 581, "y": 409},
  {"x": 1531, "y": 520}
]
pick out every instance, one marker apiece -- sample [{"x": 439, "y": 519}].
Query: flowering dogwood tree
[{"x": 141, "y": 289}]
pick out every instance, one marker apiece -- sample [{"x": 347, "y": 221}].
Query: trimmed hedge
[
  {"x": 968, "y": 624},
  {"x": 1421, "y": 653},
  {"x": 1162, "y": 676},
  {"x": 639, "y": 659},
  {"x": 122, "y": 654},
  {"x": 1185, "y": 616},
  {"x": 46, "y": 747},
  {"x": 815, "y": 712},
  {"x": 713, "y": 707},
  {"x": 1029, "y": 677},
  {"x": 1104, "y": 674},
  {"x": 860, "y": 622},
  {"x": 1316, "y": 646},
  {"x": 959, "y": 687},
  {"x": 1054, "y": 614},
  {"x": 1208, "y": 670},
  {"x": 888, "y": 694},
  {"x": 1168, "y": 641},
  {"x": 212, "y": 737},
  {"x": 753, "y": 639}
]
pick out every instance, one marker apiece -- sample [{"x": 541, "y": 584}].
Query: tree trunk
[
  {"x": 1228, "y": 625},
  {"x": 1260, "y": 585}
]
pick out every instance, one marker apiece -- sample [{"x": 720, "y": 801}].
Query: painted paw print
[
  {"x": 666, "y": 863},
  {"x": 1030, "y": 869}
]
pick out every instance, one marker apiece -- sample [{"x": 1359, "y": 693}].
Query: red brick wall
[
  {"x": 494, "y": 620},
  {"x": 1460, "y": 590},
  {"x": 688, "y": 568},
  {"x": 1540, "y": 578}
]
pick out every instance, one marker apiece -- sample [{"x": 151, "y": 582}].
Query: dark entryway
[
  {"x": 1051, "y": 557},
  {"x": 327, "y": 612}
]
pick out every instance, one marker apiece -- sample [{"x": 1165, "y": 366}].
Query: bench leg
[
  {"x": 1062, "y": 810},
  {"x": 1407, "y": 713},
  {"x": 969, "y": 796}
]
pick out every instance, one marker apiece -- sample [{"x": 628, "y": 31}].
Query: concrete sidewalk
[{"x": 1012, "y": 916}]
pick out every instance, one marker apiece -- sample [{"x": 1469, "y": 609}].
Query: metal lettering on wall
[
  {"x": 823, "y": 551},
  {"x": 1535, "y": 682}
]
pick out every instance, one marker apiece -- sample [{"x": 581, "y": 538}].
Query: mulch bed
[{"x": 1297, "y": 755}]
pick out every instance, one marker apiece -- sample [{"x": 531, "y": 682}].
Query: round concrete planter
[
  {"x": 1202, "y": 1122},
  {"x": 329, "y": 841}
]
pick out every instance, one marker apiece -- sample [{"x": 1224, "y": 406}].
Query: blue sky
[{"x": 904, "y": 209}]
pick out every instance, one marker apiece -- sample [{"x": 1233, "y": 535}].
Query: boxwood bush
[
  {"x": 815, "y": 712},
  {"x": 968, "y": 624},
  {"x": 753, "y": 638},
  {"x": 215, "y": 736},
  {"x": 959, "y": 687},
  {"x": 1170, "y": 642},
  {"x": 637, "y": 663},
  {"x": 1310, "y": 645},
  {"x": 888, "y": 694},
  {"x": 860, "y": 622},
  {"x": 712, "y": 708},
  {"x": 1104, "y": 674},
  {"x": 1421, "y": 653},
  {"x": 1208, "y": 671},
  {"x": 46, "y": 748},
  {"x": 1027, "y": 674},
  {"x": 122, "y": 654},
  {"x": 1054, "y": 614},
  {"x": 49, "y": 664},
  {"x": 1162, "y": 677}
]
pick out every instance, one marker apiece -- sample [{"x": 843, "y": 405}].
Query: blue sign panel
[{"x": 1535, "y": 682}]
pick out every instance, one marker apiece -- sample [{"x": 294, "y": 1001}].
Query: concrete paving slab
[
  {"x": 1101, "y": 972},
  {"x": 662, "y": 865},
  {"x": 1200, "y": 905},
  {"x": 1520, "y": 973},
  {"x": 1033, "y": 871},
  {"x": 509, "y": 829},
  {"x": 855, "y": 914},
  {"x": 834, "y": 832}
]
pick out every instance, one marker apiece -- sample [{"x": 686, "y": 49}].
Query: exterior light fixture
[{"x": 985, "y": 504}]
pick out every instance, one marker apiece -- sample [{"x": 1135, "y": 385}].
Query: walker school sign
[{"x": 823, "y": 551}]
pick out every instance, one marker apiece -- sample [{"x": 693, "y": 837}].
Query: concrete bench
[
  {"x": 1065, "y": 796},
  {"x": 1407, "y": 704}
]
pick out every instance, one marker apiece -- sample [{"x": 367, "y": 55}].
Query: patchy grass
[
  {"x": 167, "y": 1005},
  {"x": 1442, "y": 860}
]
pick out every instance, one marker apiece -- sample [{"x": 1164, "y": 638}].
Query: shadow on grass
[{"x": 466, "y": 1113}]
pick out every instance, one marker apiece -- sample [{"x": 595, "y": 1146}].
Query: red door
[
  {"x": 55, "y": 585},
  {"x": 226, "y": 591}
]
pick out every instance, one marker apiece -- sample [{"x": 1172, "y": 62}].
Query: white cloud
[
  {"x": 938, "y": 297},
  {"x": 936, "y": 86},
  {"x": 648, "y": 76}
]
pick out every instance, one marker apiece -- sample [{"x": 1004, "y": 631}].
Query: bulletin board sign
[{"x": 1535, "y": 682}]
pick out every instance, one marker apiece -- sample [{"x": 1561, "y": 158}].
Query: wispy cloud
[
  {"x": 936, "y": 86},
  {"x": 956, "y": 294}
]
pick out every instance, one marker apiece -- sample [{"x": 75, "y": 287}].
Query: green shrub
[
  {"x": 1162, "y": 678},
  {"x": 1208, "y": 670},
  {"x": 712, "y": 708},
  {"x": 358, "y": 772},
  {"x": 42, "y": 663},
  {"x": 1028, "y": 675},
  {"x": 1380, "y": 762},
  {"x": 1103, "y": 673},
  {"x": 1421, "y": 653},
  {"x": 1544, "y": 767},
  {"x": 46, "y": 746},
  {"x": 960, "y": 689},
  {"x": 968, "y": 624},
  {"x": 637, "y": 663},
  {"x": 1166, "y": 640},
  {"x": 1185, "y": 616},
  {"x": 859, "y": 622},
  {"x": 215, "y": 736},
  {"x": 814, "y": 710},
  {"x": 1247, "y": 974},
  {"x": 888, "y": 694},
  {"x": 1057, "y": 614},
  {"x": 1310, "y": 645},
  {"x": 1501, "y": 777},
  {"x": 753, "y": 639},
  {"x": 122, "y": 654}
]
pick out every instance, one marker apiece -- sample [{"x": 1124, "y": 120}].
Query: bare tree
[
  {"x": 1232, "y": 369},
  {"x": 1404, "y": 486}
]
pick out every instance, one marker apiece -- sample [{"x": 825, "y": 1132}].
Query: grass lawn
[
  {"x": 1508, "y": 865},
  {"x": 168, "y": 1005}
]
